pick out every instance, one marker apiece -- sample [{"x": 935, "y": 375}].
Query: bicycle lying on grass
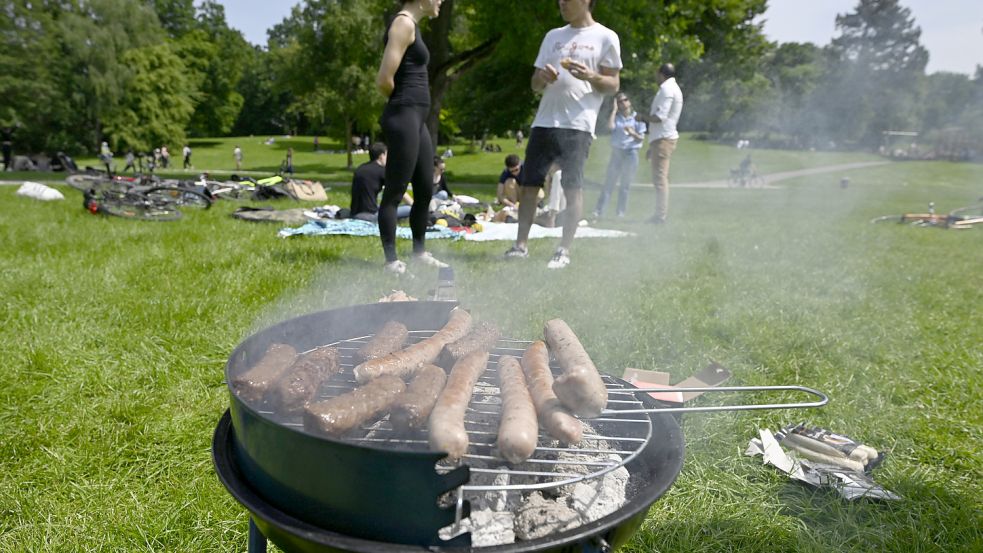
[
  {"x": 962, "y": 218},
  {"x": 157, "y": 203}
]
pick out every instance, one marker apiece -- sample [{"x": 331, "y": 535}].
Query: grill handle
[{"x": 823, "y": 400}]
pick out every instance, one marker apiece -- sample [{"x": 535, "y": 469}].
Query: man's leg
[
  {"x": 571, "y": 215},
  {"x": 527, "y": 212},
  {"x": 662, "y": 150}
]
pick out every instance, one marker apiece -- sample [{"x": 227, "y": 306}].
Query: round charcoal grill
[{"x": 374, "y": 490}]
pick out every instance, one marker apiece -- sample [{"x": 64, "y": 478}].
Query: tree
[
  {"x": 155, "y": 106},
  {"x": 876, "y": 69},
  {"x": 330, "y": 59},
  {"x": 219, "y": 54}
]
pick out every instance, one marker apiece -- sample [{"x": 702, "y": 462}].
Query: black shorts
[{"x": 567, "y": 148}]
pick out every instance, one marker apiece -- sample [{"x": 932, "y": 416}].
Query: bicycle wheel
[
  {"x": 183, "y": 197},
  {"x": 135, "y": 206}
]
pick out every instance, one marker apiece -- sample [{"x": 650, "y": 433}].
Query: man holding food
[{"x": 576, "y": 67}]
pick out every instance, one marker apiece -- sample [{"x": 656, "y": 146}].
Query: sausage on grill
[
  {"x": 405, "y": 361},
  {"x": 518, "y": 430},
  {"x": 556, "y": 420},
  {"x": 387, "y": 339},
  {"x": 483, "y": 336},
  {"x": 447, "y": 432},
  {"x": 253, "y": 383},
  {"x": 580, "y": 388},
  {"x": 413, "y": 407},
  {"x": 338, "y": 415},
  {"x": 298, "y": 385}
]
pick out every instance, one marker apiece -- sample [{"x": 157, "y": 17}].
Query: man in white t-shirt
[
  {"x": 663, "y": 117},
  {"x": 576, "y": 67}
]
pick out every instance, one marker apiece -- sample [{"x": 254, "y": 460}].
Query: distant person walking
[
  {"x": 130, "y": 160},
  {"x": 317, "y": 143},
  {"x": 106, "y": 156},
  {"x": 237, "y": 156},
  {"x": 186, "y": 153},
  {"x": 289, "y": 163},
  {"x": 627, "y": 137},
  {"x": 663, "y": 116},
  {"x": 576, "y": 67},
  {"x": 165, "y": 157},
  {"x": 402, "y": 78}
]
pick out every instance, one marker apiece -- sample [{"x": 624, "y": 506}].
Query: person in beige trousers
[{"x": 662, "y": 118}]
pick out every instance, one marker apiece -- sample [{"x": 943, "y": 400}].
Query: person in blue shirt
[{"x": 627, "y": 137}]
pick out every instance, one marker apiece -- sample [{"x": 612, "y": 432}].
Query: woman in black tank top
[{"x": 403, "y": 79}]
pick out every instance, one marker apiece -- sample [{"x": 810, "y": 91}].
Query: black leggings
[{"x": 410, "y": 159}]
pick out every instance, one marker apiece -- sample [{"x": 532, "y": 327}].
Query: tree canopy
[{"x": 144, "y": 73}]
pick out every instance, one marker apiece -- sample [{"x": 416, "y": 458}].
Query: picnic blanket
[
  {"x": 508, "y": 231},
  {"x": 490, "y": 231},
  {"x": 357, "y": 227}
]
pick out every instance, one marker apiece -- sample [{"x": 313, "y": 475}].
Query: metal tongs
[{"x": 823, "y": 400}]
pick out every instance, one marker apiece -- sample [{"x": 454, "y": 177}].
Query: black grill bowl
[{"x": 315, "y": 494}]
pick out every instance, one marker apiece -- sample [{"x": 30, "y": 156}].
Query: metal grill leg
[{"x": 257, "y": 541}]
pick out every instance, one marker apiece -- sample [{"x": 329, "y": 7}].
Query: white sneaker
[
  {"x": 395, "y": 267},
  {"x": 560, "y": 259},
  {"x": 427, "y": 259}
]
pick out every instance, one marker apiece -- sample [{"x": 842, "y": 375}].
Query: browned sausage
[
  {"x": 253, "y": 383},
  {"x": 447, "y": 431},
  {"x": 556, "y": 420},
  {"x": 580, "y": 388},
  {"x": 483, "y": 336},
  {"x": 405, "y": 361},
  {"x": 340, "y": 414},
  {"x": 518, "y": 430},
  {"x": 413, "y": 407},
  {"x": 300, "y": 382},
  {"x": 387, "y": 339}
]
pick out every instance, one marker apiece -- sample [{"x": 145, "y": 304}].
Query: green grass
[{"x": 115, "y": 335}]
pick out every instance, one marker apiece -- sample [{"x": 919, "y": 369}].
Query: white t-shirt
[
  {"x": 570, "y": 103},
  {"x": 667, "y": 105}
]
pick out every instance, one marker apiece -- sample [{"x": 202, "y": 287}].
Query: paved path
[{"x": 772, "y": 178}]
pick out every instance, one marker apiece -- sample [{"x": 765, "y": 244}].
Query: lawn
[{"x": 115, "y": 335}]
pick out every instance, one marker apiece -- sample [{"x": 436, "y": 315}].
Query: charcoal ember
[{"x": 539, "y": 516}]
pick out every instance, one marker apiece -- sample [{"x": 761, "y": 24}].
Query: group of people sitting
[{"x": 369, "y": 181}]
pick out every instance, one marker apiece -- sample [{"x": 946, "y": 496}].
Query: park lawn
[
  {"x": 116, "y": 334},
  {"x": 693, "y": 161}
]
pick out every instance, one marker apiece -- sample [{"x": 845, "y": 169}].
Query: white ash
[{"x": 504, "y": 517}]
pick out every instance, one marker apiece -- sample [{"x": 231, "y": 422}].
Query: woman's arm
[{"x": 402, "y": 33}]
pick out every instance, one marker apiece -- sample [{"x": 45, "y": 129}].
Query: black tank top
[{"x": 412, "y": 86}]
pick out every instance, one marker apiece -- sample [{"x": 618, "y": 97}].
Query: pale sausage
[
  {"x": 447, "y": 431},
  {"x": 403, "y": 362},
  {"x": 413, "y": 407},
  {"x": 556, "y": 420},
  {"x": 518, "y": 431},
  {"x": 387, "y": 339},
  {"x": 338, "y": 415},
  {"x": 580, "y": 388},
  {"x": 483, "y": 336}
]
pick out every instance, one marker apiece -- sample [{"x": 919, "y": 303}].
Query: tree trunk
[
  {"x": 445, "y": 67},
  {"x": 348, "y": 141}
]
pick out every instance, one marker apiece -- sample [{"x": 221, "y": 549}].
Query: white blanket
[{"x": 508, "y": 231}]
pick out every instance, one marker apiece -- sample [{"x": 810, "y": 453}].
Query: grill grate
[{"x": 610, "y": 441}]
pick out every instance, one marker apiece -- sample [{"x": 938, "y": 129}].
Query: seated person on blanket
[
  {"x": 440, "y": 189},
  {"x": 368, "y": 181},
  {"x": 507, "y": 194}
]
